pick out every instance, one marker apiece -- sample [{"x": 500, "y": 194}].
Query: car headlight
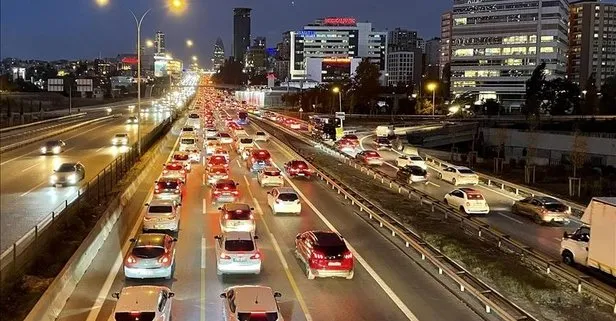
[
  {"x": 56, "y": 149},
  {"x": 72, "y": 177},
  {"x": 113, "y": 140},
  {"x": 43, "y": 149}
]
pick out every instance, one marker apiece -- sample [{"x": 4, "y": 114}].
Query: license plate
[
  {"x": 300, "y": 174},
  {"x": 334, "y": 263},
  {"x": 558, "y": 219},
  {"x": 239, "y": 259}
]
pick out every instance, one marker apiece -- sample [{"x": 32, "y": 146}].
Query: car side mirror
[
  {"x": 256, "y": 237},
  {"x": 298, "y": 236},
  {"x": 133, "y": 240},
  {"x": 277, "y": 294},
  {"x": 269, "y": 193},
  {"x": 223, "y": 295},
  {"x": 147, "y": 204},
  {"x": 171, "y": 294},
  {"x": 566, "y": 235},
  {"x": 174, "y": 239},
  {"x": 220, "y": 208},
  {"x": 116, "y": 295},
  {"x": 252, "y": 208},
  {"x": 237, "y": 184}
]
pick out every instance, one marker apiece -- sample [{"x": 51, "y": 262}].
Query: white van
[{"x": 385, "y": 131}]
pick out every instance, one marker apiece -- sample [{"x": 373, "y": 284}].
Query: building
[
  {"x": 159, "y": 42},
  {"x": 446, "y": 24},
  {"x": 255, "y": 59},
  {"x": 218, "y": 56},
  {"x": 592, "y": 41},
  {"x": 330, "y": 49},
  {"x": 421, "y": 44},
  {"x": 241, "y": 32},
  {"x": 404, "y": 67},
  {"x": 432, "y": 57},
  {"x": 402, "y": 40},
  {"x": 174, "y": 68},
  {"x": 496, "y": 47}
]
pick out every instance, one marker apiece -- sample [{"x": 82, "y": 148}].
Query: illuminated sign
[
  {"x": 337, "y": 60},
  {"x": 340, "y": 21},
  {"x": 306, "y": 33},
  {"x": 129, "y": 60}
]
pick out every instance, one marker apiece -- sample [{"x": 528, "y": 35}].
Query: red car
[
  {"x": 351, "y": 138},
  {"x": 325, "y": 254},
  {"x": 259, "y": 159},
  {"x": 225, "y": 190},
  {"x": 297, "y": 168},
  {"x": 174, "y": 170},
  {"x": 370, "y": 157},
  {"x": 218, "y": 160},
  {"x": 169, "y": 188}
]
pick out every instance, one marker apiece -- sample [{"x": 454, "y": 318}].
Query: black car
[
  {"x": 382, "y": 143},
  {"x": 412, "y": 174}
]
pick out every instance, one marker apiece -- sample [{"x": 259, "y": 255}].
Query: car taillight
[
  {"x": 224, "y": 256},
  {"x": 317, "y": 255},
  {"x": 182, "y": 171},
  {"x": 251, "y": 216},
  {"x": 216, "y": 192},
  {"x": 235, "y": 192},
  {"x": 165, "y": 171},
  {"x": 227, "y": 216},
  {"x": 171, "y": 218},
  {"x": 156, "y": 191},
  {"x": 256, "y": 256},
  {"x": 164, "y": 259},
  {"x": 278, "y": 201},
  {"x": 348, "y": 255},
  {"x": 131, "y": 260}
]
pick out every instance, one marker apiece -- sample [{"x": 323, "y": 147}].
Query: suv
[
  {"x": 270, "y": 176},
  {"x": 225, "y": 190},
  {"x": 325, "y": 254},
  {"x": 143, "y": 302},
  {"x": 152, "y": 256},
  {"x": 297, "y": 168},
  {"x": 162, "y": 215},
  {"x": 467, "y": 200},
  {"x": 240, "y": 304},
  {"x": 382, "y": 143},
  {"x": 284, "y": 200},
  {"x": 237, "y": 253},
  {"x": 237, "y": 217},
  {"x": 68, "y": 174}
]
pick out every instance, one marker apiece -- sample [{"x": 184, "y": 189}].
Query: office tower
[
  {"x": 241, "y": 32},
  {"x": 160, "y": 42},
  {"x": 218, "y": 56}
]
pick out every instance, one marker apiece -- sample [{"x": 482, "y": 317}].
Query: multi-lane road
[
  {"x": 387, "y": 284},
  {"x": 27, "y": 196}
]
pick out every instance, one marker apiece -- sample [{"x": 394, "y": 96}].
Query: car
[
  {"x": 161, "y": 215},
  {"x": 168, "y": 188},
  {"x": 217, "y": 161},
  {"x": 324, "y": 254},
  {"x": 120, "y": 139},
  {"x": 260, "y": 137},
  {"x": 188, "y": 143},
  {"x": 221, "y": 152},
  {"x": 216, "y": 173},
  {"x": 345, "y": 146},
  {"x": 259, "y": 158},
  {"x": 351, "y": 138},
  {"x": 382, "y": 143},
  {"x": 295, "y": 125},
  {"x": 152, "y": 255},
  {"x": 413, "y": 159},
  {"x": 211, "y": 146},
  {"x": 467, "y": 200},
  {"x": 240, "y": 132},
  {"x": 143, "y": 302},
  {"x": 270, "y": 176},
  {"x": 297, "y": 167},
  {"x": 132, "y": 120},
  {"x": 225, "y": 138},
  {"x": 237, "y": 253},
  {"x": 174, "y": 170},
  {"x": 211, "y": 132},
  {"x": 239, "y": 303},
  {"x": 412, "y": 174},
  {"x": 68, "y": 174},
  {"x": 284, "y": 200},
  {"x": 458, "y": 175},
  {"x": 542, "y": 209},
  {"x": 184, "y": 158},
  {"x": 236, "y": 217},
  {"x": 194, "y": 120},
  {"x": 53, "y": 147},
  {"x": 243, "y": 143},
  {"x": 247, "y": 152},
  {"x": 370, "y": 157},
  {"x": 188, "y": 130},
  {"x": 225, "y": 190}
]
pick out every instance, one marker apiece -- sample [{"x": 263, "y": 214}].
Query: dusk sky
[{"x": 37, "y": 29}]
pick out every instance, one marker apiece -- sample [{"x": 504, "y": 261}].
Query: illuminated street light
[
  {"x": 432, "y": 86},
  {"x": 189, "y": 43},
  {"x": 102, "y": 3},
  {"x": 194, "y": 58},
  {"x": 149, "y": 43},
  {"x": 337, "y": 90}
]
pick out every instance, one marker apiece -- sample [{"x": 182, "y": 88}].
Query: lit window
[
  {"x": 463, "y": 52},
  {"x": 547, "y": 49},
  {"x": 460, "y": 21},
  {"x": 547, "y": 38}
]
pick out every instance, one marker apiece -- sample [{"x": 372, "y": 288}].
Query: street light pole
[
  {"x": 340, "y": 105},
  {"x": 139, "y": 21},
  {"x": 433, "y": 99}
]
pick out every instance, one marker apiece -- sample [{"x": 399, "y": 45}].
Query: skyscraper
[
  {"x": 592, "y": 48},
  {"x": 241, "y": 32},
  {"x": 402, "y": 40},
  {"x": 160, "y": 42},
  {"x": 218, "y": 56}
]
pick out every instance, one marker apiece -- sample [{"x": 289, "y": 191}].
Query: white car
[
  {"x": 467, "y": 200},
  {"x": 270, "y": 176},
  {"x": 243, "y": 143},
  {"x": 210, "y": 132},
  {"x": 143, "y": 302},
  {"x": 260, "y": 137},
  {"x": 211, "y": 146},
  {"x": 188, "y": 130},
  {"x": 120, "y": 139},
  {"x": 237, "y": 253},
  {"x": 188, "y": 143},
  {"x": 225, "y": 138},
  {"x": 161, "y": 215},
  {"x": 414, "y": 160},
  {"x": 236, "y": 217},
  {"x": 458, "y": 175},
  {"x": 239, "y": 303},
  {"x": 284, "y": 200},
  {"x": 240, "y": 133}
]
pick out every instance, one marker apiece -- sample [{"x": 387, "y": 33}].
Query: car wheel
[
  {"x": 538, "y": 219},
  {"x": 445, "y": 201},
  {"x": 568, "y": 258},
  {"x": 463, "y": 210},
  {"x": 440, "y": 175},
  {"x": 309, "y": 273}
]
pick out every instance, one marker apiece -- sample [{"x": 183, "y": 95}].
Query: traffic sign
[{"x": 340, "y": 115}]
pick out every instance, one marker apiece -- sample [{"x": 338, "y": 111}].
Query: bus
[{"x": 242, "y": 118}]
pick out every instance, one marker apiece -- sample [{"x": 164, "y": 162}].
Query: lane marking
[
  {"x": 238, "y": 162},
  {"x": 204, "y": 207},
  {"x": 509, "y": 217},
  {"x": 429, "y": 182},
  {"x": 203, "y": 247},
  {"x": 98, "y": 150},
  {"x": 283, "y": 261},
  {"x": 32, "y": 189},
  {"x": 203, "y": 180},
  {"x": 30, "y": 167}
]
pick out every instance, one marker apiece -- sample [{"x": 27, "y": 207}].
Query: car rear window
[
  {"x": 168, "y": 185},
  {"x": 148, "y": 252},
  {"x": 555, "y": 207},
  {"x": 372, "y": 154},
  {"x": 288, "y": 197},
  {"x": 180, "y": 157},
  {"x": 239, "y": 245},
  {"x": 224, "y": 185},
  {"x": 52, "y": 143},
  {"x": 272, "y": 173},
  {"x": 260, "y": 134},
  {"x": 261, "y": 154},
  {"x": 474, "y": 196},
  {"x": 333, "y": 251},
  {"x": 160, "y": 209},
  {"x": 416, "y": 158},
  {"x": 382, "y": 140},
  {"x": 188, "y": 129},
  {"x": 416, "y": 170},
  {"x": 224, "y": 135},
  {"x": 353, "y": 137},
  {"x": 188, "y": 141},
  {"x": 193, "y": 116},
  {"x": 134, "y": 316},
  {"x": 257, "y": 316},
  {"x": 174, "y": 166},
  {"x": 246, "y": 140},
  {"x": 465, "y": 171}
]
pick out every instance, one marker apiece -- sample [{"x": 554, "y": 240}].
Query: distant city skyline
[{"x": 52, "y": 30}]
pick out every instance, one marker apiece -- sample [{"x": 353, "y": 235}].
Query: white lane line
[
  {"x": 29, "y": 167},
  {"x": 238, "y": 162},
  {"x": 429, "y": 182},
  {"x": 203, "y": 180},
  {"x": 98, "y": 150},
  {"x": 203, "y": 247},
  {"x": 204, "y": 207},
  {"x": 283, "y": 261},
  {"x": 33, "y": 188},
  {"x": 509, "y": 217},
  {"x": 361, "y": 141}
]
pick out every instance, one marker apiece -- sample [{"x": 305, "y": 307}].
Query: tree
[
  {"x": 535, "y": 92},
  {"x": 365, "y": 84},
  {"x": 446, "y": 81},
  {"x": 590, "y": 98},
  {"x": 562, "y": 97},
  {"x": 231, "y": 73},
  {"x": 578, "y": 151},
  {"x": 607, "y": 104},
  {"x": 492, "y": 107}
]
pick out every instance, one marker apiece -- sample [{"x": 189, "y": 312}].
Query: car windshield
[
  {"x": 168, "y": 185},
  {"x": 52, "y": 143},
  {"x": 66, "y": 168},
  {"x": 288, "y": 197},
  {"x": 260, "y": 134},
  {"x": 180, "y": 157},
  {"x": 160, "y": 209},
  {"x": 121, "y": 135},
  {"x": 134, "y": 316},
  {"x": 555, "y": 207},
  {"x": 148, "y": 252},
  {"x": 474, "y": 197},
  {"x": 239, "y": 245},
  {"x": 465, "y": 171},
  {"x": 188, "y": 141}
]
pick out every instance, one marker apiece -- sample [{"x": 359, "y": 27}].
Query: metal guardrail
[
  {"x": 489, "y": 298},
  {"x": 581, "y": 282},
  {"x": 11, "y": 128}
]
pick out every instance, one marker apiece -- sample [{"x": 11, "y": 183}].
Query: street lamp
[
  {"x": 149, "y": 43},
  {"x": 337, "y": 90},
  {"x": 189, "y": 43},
  {"x": 194, "y": 58},
  {"x": 432, "y": 86}
]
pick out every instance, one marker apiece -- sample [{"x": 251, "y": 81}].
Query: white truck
[{"x": 598, "y": 252}]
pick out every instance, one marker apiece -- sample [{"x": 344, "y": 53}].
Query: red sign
[
  {"x": 340, "y": 21},
  {"x": 129, "y": 60}
]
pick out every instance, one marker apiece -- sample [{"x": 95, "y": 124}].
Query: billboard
[{"x": 160, "y": 68}]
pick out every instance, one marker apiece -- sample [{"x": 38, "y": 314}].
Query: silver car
[
  {"x": 237, "y": 217},
  {"x": 162, "y": 215},
  {"x": 68, "y": 174},
  {"x": 237, "y": 253},
  {"x": 120, "y": 139},
  {"x": 152, "y": 255},
  {"x": 239, "y": 303}
]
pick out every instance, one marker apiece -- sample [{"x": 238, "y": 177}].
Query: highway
[
  {"x": 387, "y": 284},
  {"x": 27, "y": 196}
]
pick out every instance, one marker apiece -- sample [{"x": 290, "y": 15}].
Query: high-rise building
[
  {"x": 402, "y": 40},
  {"x": 421, "y": 44},
  {"x": 259, "y": 42},
  {"x": 241, "y": 32},
  {"x": 329, "y": 49},
  {"x": 218, "y": 56},
  {"x": 160, "y": 42},
  {"x": 445, "y": 56},
  {"x": 592, "y": 41},
  {"x": 431, "y": 58},
  {"x": 403, "y": 67},
  {"x": 496, "y": 47},
  {"x": 255, "y": 59}
]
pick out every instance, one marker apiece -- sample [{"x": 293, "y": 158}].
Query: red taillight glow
[
  {"x": 348, "y": 255},
  {"x": 235, "y": 192},
  {"x": 131, "y": 260},
  {"x": 216, "y": 192},
  {"x": 317, "y": 255},
  {"x": 227, "y": 216},
  {"x": 165, "y": 171},
  {"x": 164, "y": 259},
  {"x": 256, "y": 256}
]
